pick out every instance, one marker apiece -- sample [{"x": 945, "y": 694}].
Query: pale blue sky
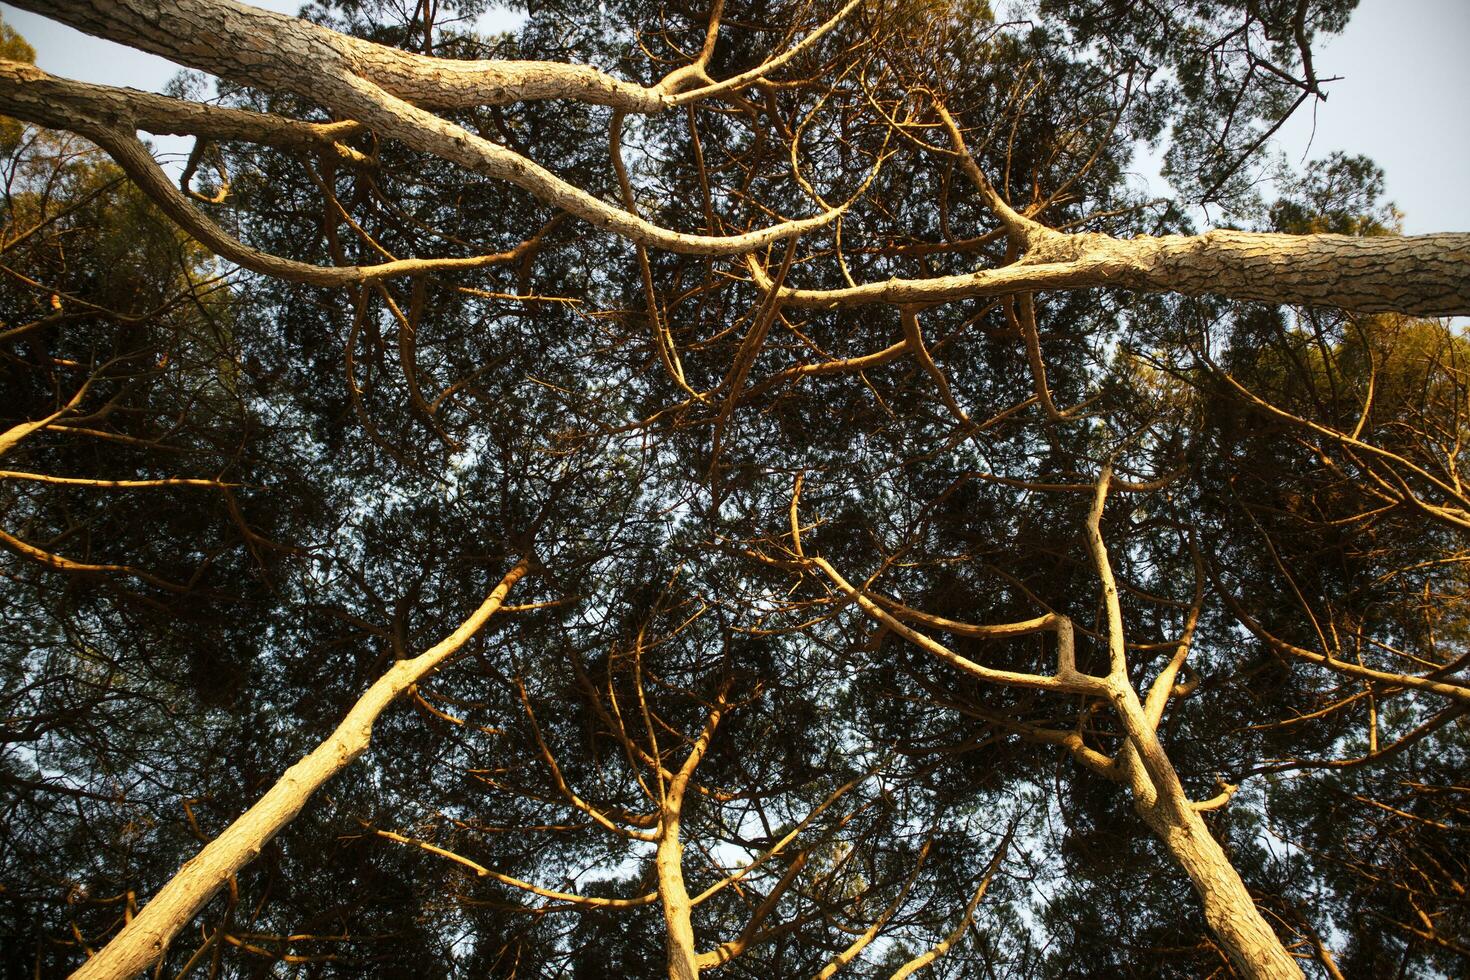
[{"x": 1404, "y": 98}]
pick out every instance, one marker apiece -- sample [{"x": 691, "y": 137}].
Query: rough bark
[
  {"x": 392, "y": 92},
  {"x": 1231, "y": 913},
  {"x": 669, "y": 861},
  {"x": 31, "y": 94},
  {"x": 272, "y": 51},
  {"x": 683, "y": 955},
  {"x": 1160, "y": 797},
  {"x": 1141, "y": 763},
  {"x": 283, "y": 54},
  {"x": 144, "y": 939},
  {"x": 386, "y": 89},
  {"x": 1424, "y": 275}
]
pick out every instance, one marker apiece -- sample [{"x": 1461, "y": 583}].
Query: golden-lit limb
[
  {"x": 329, "y": 80},
  {"x": 1454, "y": 511},
  {"x": 866, "y": 937},
  {"x": 63, "y": 98},
  {"x": 1024, "y": 230},
  {"x": 1159, "y": 797},
  {"x": 796, "y": 517},
  {"x": 752, "y": 933},
  {"x": 564, "y": 788},
  {"x": 59, "y": 563},
  {"x": 1141, "y": 763},
  {"x": 291, "y": 958},
  {"x": 914, "y": 335},
  {"x": 572, "y": 902},
  {"x": 736, "y": 82},
  {"x": 197, "y": 33},
  {"x": 947, "y": 943},
  {"x": 1164, "y": 686},
  {"x": 683, "y": 957},
  {"x": 1416, "y": 274},
  {"x": 1219, "y": 800},
  {"x": 147, "y": 936},
  {"x": 1066, "y": 678},
  {"x": 13, "y": 435},
  {"x": 1456, "y": 691},
  {"x": 426, "y": 132},
  {"x": 697, "y": 70},
  {"x": 442, "y": 83},
  {"x": 135, "y": 160},
  {"x": 76, "y": 481}
]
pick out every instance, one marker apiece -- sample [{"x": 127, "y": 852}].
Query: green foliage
[{"x": 13, "y": 47}]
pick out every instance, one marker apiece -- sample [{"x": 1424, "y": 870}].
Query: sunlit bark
[
  {"x": 397, "y": 95},
  {"x": 1141, "y": 765},
  {"x": 147, "y": 936}
]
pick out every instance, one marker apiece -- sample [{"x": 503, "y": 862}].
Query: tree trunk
[
  {"x": 143, "y": 940},
  {"x": 683, "y": 958},
  {"x": 1159, "y": 798},
  {"x": 1248, "y": 940}
]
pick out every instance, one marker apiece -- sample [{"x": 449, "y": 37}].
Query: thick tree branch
[
  {"x": 59, "y": 103},
  {"x": 1427, "y": 275},
  {"x": 271, "y": 51}
]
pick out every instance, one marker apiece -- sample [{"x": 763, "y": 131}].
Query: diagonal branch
[{"x": 144, "y": 939}]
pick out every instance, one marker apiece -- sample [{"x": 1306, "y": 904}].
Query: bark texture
[
  {"x": 31, "y": 94},
  {"x": 393, "y": 93},
  {"x": 387, "y": 89},
  {"x": 364, "y": 82},
  {"x": 1231, "y": 913},
  {"x": 1424, "y": 275},
  {"x": 669, "y": 862},
  {"x": 669, "y": 858},
  {"x": 1141, "y": 764},
  {"x": 144, "y": 939},
  {"x": 270, "y": 51}
]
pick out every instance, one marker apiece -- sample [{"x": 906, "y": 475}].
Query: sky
[
  {"x": 1404, "y": 96},
  {"x": 1404, "y": 100}
]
